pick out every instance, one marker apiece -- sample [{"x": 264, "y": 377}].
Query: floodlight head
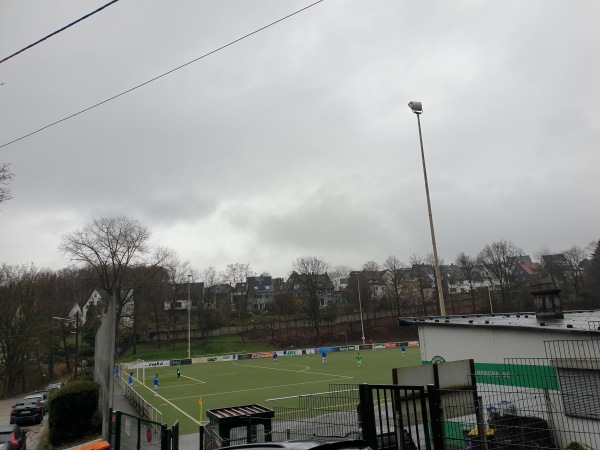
[{"x": 417, "y": 107}]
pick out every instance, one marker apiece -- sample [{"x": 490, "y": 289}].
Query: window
[{"x": 579, "y": 390}]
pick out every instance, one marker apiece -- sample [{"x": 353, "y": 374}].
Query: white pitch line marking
[
  {"x": 197, "y": 381},
  {"x": 170, "y": 403},
  {"x": 264, "y": 388}
]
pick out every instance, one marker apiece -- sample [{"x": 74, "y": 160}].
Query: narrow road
[{"x": 34, "y": 432}]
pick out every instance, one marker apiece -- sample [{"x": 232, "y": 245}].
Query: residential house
[
  {"x": 186, "y": 295},
  {"x": 340, "y": 283},
  {"x": 256, "y": 294},
  {"x": 219, "y": 297},
  {"x": 298, "y": 284},
  {"x": 527, "y": 272},
  {"x": 97, "y": 305},
  {"x": 372, "y": 283},
  {"x": 260, "y": 293},
  {"x": 76, "y": 314}
]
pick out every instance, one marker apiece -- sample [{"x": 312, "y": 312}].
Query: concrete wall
[{"x": 486, "y": 344}]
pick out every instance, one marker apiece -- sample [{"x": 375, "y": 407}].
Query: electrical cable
[
  {"x": 58, "y": 31},
  {"x": 160, "y": 76}
]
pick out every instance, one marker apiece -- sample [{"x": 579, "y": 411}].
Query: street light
[
  {"x": 76, "y": 320},
  {"x": 490, "y": 297},
  {"x": 362, "y": 327},
  {"x": 417, "y": 108},
  {"x": 189, "y": 315}
]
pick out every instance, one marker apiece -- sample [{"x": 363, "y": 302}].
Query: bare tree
[
  {"x": 593, "y": 270},
  {"x": 312, "y": 275},
  {"x": 117, "y": 252},
  {"x": 235, "y": 275},
  {"x": 430, "y": 269},
  {"x": 424, "y": 282},
  {"x": 22, "y": 310},
  {"x": 394, "y": 279},
  {"x": 176, "y": 288},
  {"x": 370, "y": 266},
  {"x": 340, "y": 271},
  {"x": 112, "y": 247},
  {"x": 211, "y": 279},
  {"x": 541, "y": 253},
  {"x": 206, "y": 301},
  {"x": 575, "y": 256},
  {"x": 499, "y": 260},
  {"x": 5, "y": 177},
  {"x": 467, "y": 266}
]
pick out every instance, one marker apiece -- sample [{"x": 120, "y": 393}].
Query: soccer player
[
  {"x": 233, "y": 358},
  {"x": 275, "y": 357},
  {"x": 358, "y": 360},
  {"x": 324, "y": 355},
  {"x": 156, "y": 385},
  {"x": 403, "y": 350},
  {"x": 130, "y": 381},
  {"x": 178, "y": 370}
]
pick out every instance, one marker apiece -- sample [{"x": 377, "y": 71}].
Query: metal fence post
[
  {"x": 437, "y": 417},
  {"x": 175, "y": 436},
  {"x": 367, "y": 415},
  {"x": 165, "y": 438},
  {"x": 115, "y": 421}
]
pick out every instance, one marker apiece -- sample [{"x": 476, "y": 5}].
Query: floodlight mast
[{"x": 417, "y": 108}]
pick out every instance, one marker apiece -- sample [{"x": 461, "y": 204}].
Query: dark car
[
  {"x": 27, "y": 411},
  {"x": 12, "y": 437},
  {"x": 306, "y": 444},
  {"x": 43, "y": 396}
]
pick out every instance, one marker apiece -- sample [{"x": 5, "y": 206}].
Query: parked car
[
  {"x": 54, "y": 386},
  {"x": 43, "y": 396},
  {"x": 387, "y": 440},
  {"x": 30, "y": 410},
  {"x": 12, "y": 437},
  {"x": 307, "y": 444}
]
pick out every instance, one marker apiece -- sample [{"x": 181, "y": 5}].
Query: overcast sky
[{"x": 298, "y": 140}]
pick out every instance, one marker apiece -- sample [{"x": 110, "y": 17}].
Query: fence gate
[
  {"x": 397, "y": 417},
  {"x": 129, "y": 432}
]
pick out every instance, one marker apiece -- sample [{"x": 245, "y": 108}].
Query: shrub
[{"x": 73, "y": 411}]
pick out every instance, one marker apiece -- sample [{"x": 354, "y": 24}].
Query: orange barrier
[{"x": 94, "y": 445}]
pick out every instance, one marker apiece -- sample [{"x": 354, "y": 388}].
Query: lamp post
[
  {"x": 417, "y": 108},
  {"x": 189, "y": 318},
  {"x": 490, "y": 297},
  {"x": 362, "y": 327}
]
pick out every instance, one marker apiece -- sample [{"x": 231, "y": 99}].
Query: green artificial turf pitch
[{"x": 224, "y": 384}]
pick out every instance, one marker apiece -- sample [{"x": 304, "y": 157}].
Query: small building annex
[{"x": 543, "y": 366}]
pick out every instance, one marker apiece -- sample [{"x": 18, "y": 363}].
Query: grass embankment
[{"x": 223, "y": 345}]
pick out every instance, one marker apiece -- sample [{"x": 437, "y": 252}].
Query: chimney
[{"x": 546, "y": 298}]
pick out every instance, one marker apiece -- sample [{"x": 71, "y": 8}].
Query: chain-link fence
[
  {"x": 135, "y": 433},
  {"x": 534, "y": 403},
  {"x": 332, "y": 413}
]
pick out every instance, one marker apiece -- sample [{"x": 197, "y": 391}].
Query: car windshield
[{"x": 26, "y": 404}]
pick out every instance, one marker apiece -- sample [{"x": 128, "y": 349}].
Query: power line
[
  {"x": 58, "y": 31},
  {"x": 160, "y": 76}
]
